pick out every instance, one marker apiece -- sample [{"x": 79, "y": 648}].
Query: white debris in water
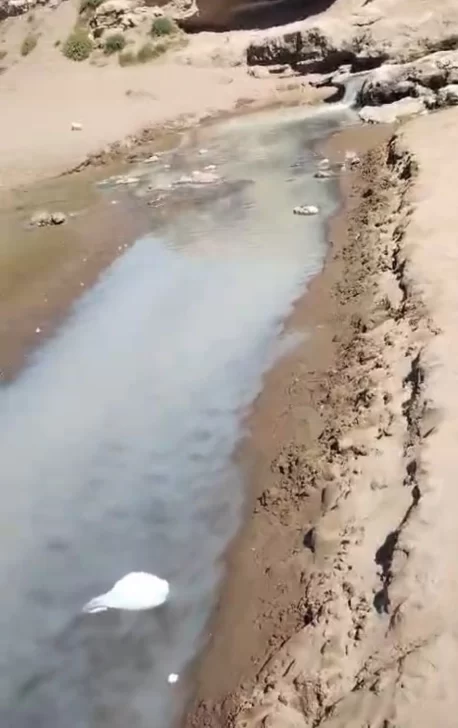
[
  {"x": 76, "y": 126},
  {"x": 203, "y": 151},
  {"x": 153, "y": 158},
  {"x": 306, "y": 210},
  {"x": 324, "y": 163},
  {"x": 124, "y": 180},
  {"x": 114, "y": 202},
  {"x": 166, "y": 166},
  {"x": 81, "y": 284},
  {"x": 38, "y": 330},
  {"x": 172, "y": 678},
  {"x": 134, "y": 592},
  {"x": 119, "y": 247},
  {"x": 210, "y": 168}
]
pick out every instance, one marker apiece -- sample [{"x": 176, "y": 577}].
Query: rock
[
  {"x": 76, "y": 126},
  {"x": 422, "y": 79},
  {"x": 44, "y": 218},
  {"x": 306, "y": 210},
  {"x": 40, "y": 219},
  {"x": 259, "y": 72},
  {"x": 11, "y": 8},
  {"x": 153, "y": 158},
  {"x": 388, "y": 113},
  {"x": 323, "y": 174},
  {"x": 58, "y": 218},
  {"x": 126, "y": 180},
  {"x": 351, "y": 160},
  {"x": 199, "y": 178},
  {"x": 448, "y": 95},
  {"x": 112, "y": 14}
]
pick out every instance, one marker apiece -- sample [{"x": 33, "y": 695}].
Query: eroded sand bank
[{"x": 340, "y": 607}]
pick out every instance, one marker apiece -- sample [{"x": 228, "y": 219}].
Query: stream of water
[{"x": 117, "y": 438}]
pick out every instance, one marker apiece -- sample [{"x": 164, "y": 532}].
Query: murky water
[{"x": 117, "y": 439}]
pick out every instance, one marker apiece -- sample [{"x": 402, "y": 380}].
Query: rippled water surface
[{"x": 117, "y": 439}]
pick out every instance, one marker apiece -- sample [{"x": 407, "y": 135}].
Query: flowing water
[{"x": 118, "y": 437}]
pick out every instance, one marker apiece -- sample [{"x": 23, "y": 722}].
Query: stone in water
[{"x": 306, "y": 210}]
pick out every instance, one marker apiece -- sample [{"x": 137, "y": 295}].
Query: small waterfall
[{"x": 352, "y": 86}]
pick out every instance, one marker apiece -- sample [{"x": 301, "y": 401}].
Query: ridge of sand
[{"x": 365, "y": 634}]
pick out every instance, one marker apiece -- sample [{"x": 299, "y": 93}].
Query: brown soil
[{"x": 268, "y": 597}]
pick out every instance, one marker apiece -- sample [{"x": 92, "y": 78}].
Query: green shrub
[
  {"x": 88, "y": 6},
  {"x": 114, "y": 43},
  {"x": 78, "y": 45},
  {"x": 127, "y": 58},
  {"x": 163, "y": 26},
  {"x": 28, "y": 44}
]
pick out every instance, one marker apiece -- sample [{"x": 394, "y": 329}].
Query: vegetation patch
[
  {"x": 28, "y": 44},
  {"x": 128, "y": 58},
  {"x": 149, "y": 51},
  {"x": 163, "y": 26},
  {"x": 114, "y": 43},
  {"x": 78, "y": 46}
]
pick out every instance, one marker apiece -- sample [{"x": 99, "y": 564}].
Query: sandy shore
[{"x": 339, "y": 607}]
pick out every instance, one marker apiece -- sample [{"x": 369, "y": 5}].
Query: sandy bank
[{"x": 340, "y": 606}]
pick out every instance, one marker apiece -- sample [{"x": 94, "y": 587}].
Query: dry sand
[{"x": 339, "y": 609}]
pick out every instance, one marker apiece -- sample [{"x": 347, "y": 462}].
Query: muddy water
[{"x": 117, "y": 439}]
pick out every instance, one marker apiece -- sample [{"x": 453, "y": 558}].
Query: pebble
[
  {"x": 306, "y": 210},
  {"x": 76, "y": 126}
]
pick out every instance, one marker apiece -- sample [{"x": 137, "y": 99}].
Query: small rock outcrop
[
  {"x": 43, "y": 218},
  {"x": 431, "y": 82}
]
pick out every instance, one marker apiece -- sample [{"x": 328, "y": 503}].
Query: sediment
[{"x": 316, "y": 627}]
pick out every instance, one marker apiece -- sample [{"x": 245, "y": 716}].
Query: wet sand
[{"x": 264, "y": 601}]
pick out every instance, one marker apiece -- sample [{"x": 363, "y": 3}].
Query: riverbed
[{"x": 119, "y": 432}]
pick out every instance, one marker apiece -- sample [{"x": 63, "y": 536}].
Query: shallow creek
[{"x": 118, "y": 435}]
